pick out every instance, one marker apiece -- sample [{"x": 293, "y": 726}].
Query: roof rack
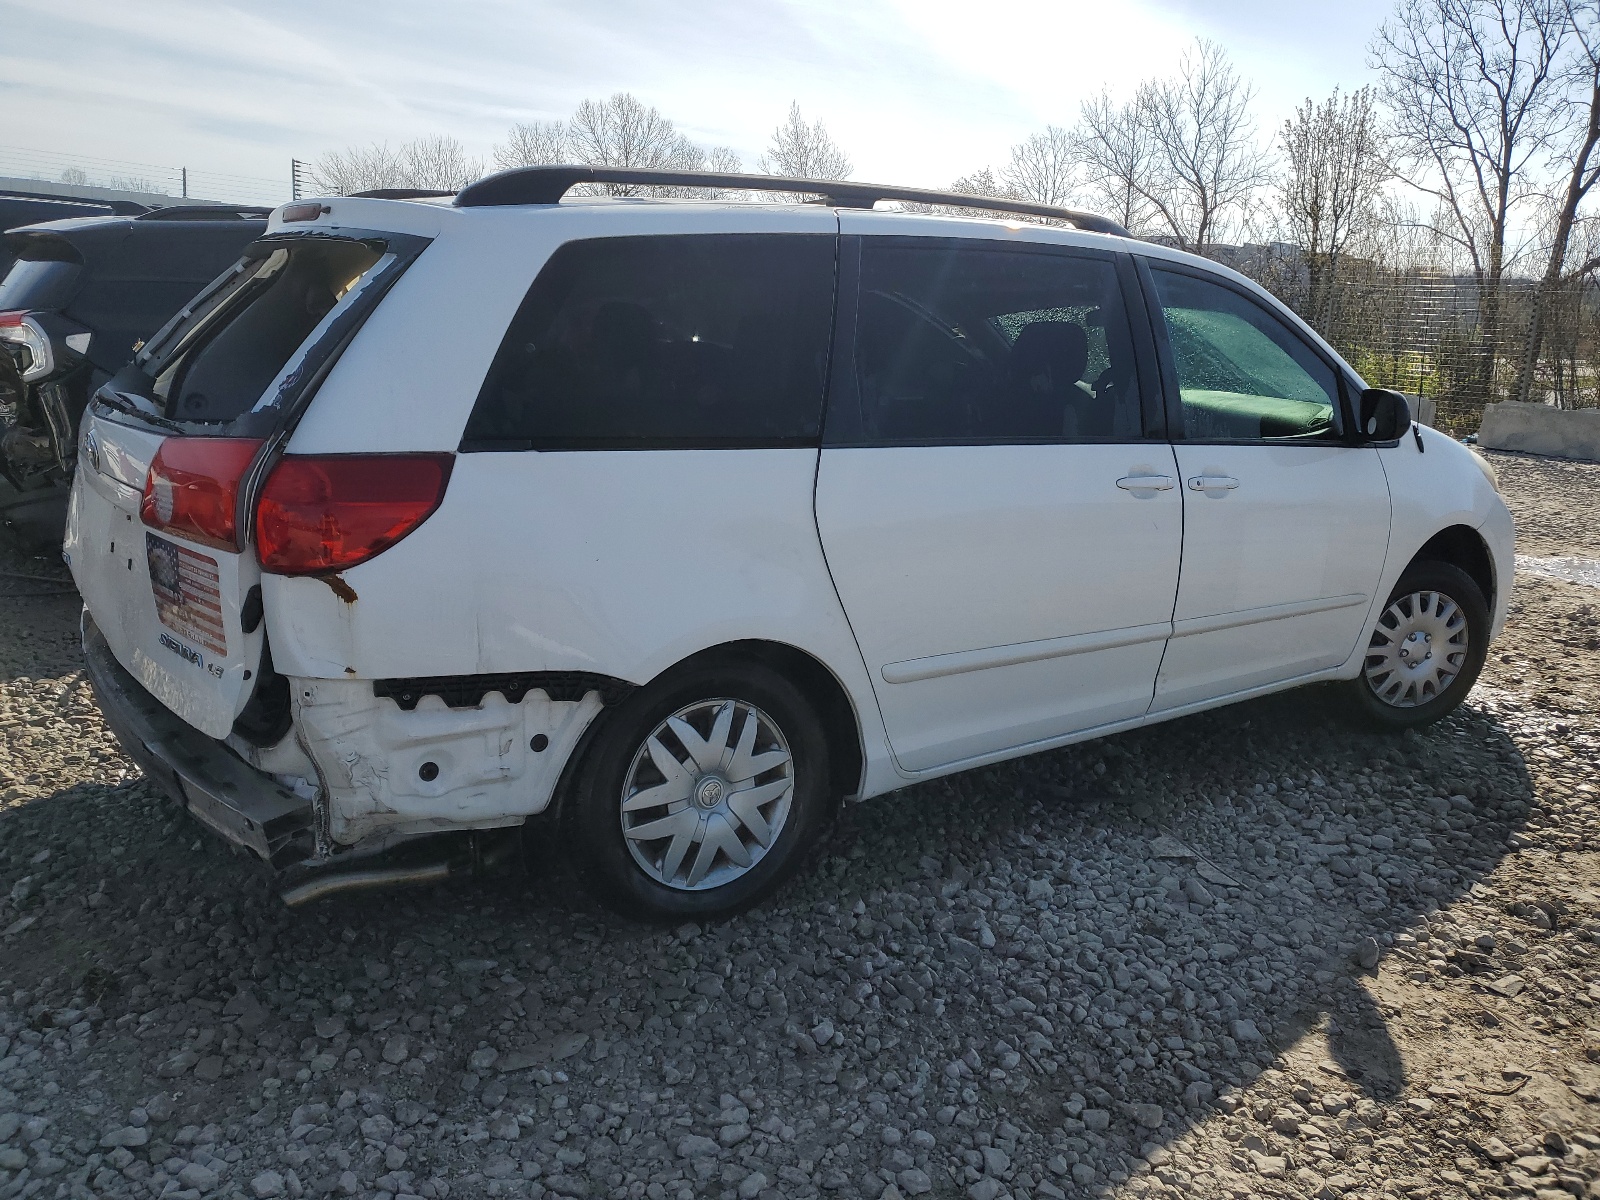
[
  {"x": 206, "y": 212},
  {"x": 400, "y": 194},
  {"x": 546, "y": 185}
]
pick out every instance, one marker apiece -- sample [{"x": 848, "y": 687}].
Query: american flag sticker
[{"x": 188, "y": 597}]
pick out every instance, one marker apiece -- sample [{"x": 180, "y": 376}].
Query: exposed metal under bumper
[
  {"x": 333, "y": 882},
  {"x": 223, "y": 791}
]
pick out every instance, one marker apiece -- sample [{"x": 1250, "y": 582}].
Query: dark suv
[{"x": 80, "y": 297}]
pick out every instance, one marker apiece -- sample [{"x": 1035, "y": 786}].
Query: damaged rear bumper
[{"x": 224, "y": 793}]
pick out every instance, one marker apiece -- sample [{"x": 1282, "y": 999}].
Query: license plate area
[{"x": 187, "y": 588}]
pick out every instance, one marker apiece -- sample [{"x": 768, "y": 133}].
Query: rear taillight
[
  {"x": 35, "y": 356},
  {"x": 321, "y": 513},
  {"x": 192, "y": 489}
]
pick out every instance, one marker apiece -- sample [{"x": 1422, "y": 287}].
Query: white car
[{"x": 679, "y": 520}]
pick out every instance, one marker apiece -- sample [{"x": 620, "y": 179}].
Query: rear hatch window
[
  {"x": 44, "y": 277},
  {"x": 221, "y": 368}
]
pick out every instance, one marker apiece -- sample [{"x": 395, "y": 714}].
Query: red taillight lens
[
  {"x": 192, "y": 489},
  {"x": 326, "y": 513},
  {"x": 11, "y": 318}
]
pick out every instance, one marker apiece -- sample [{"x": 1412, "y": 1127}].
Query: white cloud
[{"x": 918, "y": 91}]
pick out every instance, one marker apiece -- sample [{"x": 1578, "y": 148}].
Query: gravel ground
[{"x": 1251, "y": 953}]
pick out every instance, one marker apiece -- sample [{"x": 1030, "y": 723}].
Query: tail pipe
[{"x": 479, "y": 860}]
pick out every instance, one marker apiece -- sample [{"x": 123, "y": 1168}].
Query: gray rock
[
  {"x": 266, "y": 1184},
  {"x": 176, "y": 1065},
  {"x": 128, "y": 1135},
  {"x": 1368, "y": 952},
  {"x": 481, "y": 1060},
  {"x": 201, "y": 1179},
  {"x": 914, "y": 1182},
  {"x": 397, "y": 1049},
  {"x": 1096, "y": 1120},
  {"x": 697, "y": 1146},
  {"x": 567, "y": 1045},
  {"x": 1149, "y": 1115},
  {"x": 1244, "y": 1030},
  {"x": 1197, "y": 892}
]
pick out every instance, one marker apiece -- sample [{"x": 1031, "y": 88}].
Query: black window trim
[
  {"x": 561, "y": 445},
  {"x": 842, "y": 422},
  {"x": 1169, "y": 372}
]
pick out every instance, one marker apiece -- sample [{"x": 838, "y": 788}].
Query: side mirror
[{"x": 1384, "y": 415}]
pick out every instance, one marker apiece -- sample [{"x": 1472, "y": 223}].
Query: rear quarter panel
[{"x": 620, "y": 563}]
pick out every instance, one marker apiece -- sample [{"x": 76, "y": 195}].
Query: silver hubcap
[
  {"x": 1417, "y": 650},
  {"x": 707, "y": 795}
]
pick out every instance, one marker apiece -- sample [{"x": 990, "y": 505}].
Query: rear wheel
[
  {"x": 700, "y": 794},
  {"x": 1426, "y": 650}
]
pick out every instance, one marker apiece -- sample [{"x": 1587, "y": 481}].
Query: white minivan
[{"x": 677, "y": 520}]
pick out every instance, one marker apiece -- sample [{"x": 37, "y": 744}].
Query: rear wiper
[{"x": 134, "y": 406}]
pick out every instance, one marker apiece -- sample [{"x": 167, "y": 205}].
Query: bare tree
[
  {"x": 979, "y": 183},
  {"x": 1334, "y": 170},
  {"x": 435, "y": 162},
  {"x": 801, "y": 151},
  {"x": 1181, "y": 157},
  {"x": 356, "y": 169},
  {"x": 438, "y": 161},
  {"x": 1209, "y": 167},
  {"x": 1474, "y": 91},
  {"x": 533, "y": 144},
  {"x": 618, "y": 132},
  {"x": 1582, "y": 170},
  {"x": 1117, "y": 160},
  {"x": 1042, "y": 167},
  {"x": 624, "y": 132}
]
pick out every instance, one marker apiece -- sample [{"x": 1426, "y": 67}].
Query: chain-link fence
[{"x": 1436, "y": 334}]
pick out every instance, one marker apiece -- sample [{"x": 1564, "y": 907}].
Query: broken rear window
[{"x": 225, "y": 365}]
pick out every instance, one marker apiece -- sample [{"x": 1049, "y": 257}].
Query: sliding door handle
[
  {"x": 1212, "y": 483},
  {"x": 1145, "y": 483}
]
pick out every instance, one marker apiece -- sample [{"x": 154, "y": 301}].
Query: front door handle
[
  {"x": 1145, "y": 483},
  {"x": 1212, "y": 483}
]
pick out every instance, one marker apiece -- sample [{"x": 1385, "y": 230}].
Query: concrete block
[{"x": 1541, "y": 429}]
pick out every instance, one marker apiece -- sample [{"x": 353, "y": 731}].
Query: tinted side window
[
  {"x": 1242, "y": 373},
  {"x": 967, "y": 344},
  {"x": 705, "y": 340}
]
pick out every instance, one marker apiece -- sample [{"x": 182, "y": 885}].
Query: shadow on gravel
[{"x": 1075, "y": 955}]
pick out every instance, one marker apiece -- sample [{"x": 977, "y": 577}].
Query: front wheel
[
  {"x": 1426, "y": 650},
  {"x": 700, "y": 794}
]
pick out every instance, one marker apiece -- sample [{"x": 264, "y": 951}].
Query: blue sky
[{"x": 918, "y": 91}]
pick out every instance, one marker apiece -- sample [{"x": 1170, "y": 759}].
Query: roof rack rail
[
  {"x": 546, "y": 185},
  {"x": 401, "y": 194},
  {"x": 205, "y": 212}
]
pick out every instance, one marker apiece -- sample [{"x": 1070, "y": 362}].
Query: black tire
[
  {"x": 1370, "y": 707},
  {"x": 592, "y": 816}
]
